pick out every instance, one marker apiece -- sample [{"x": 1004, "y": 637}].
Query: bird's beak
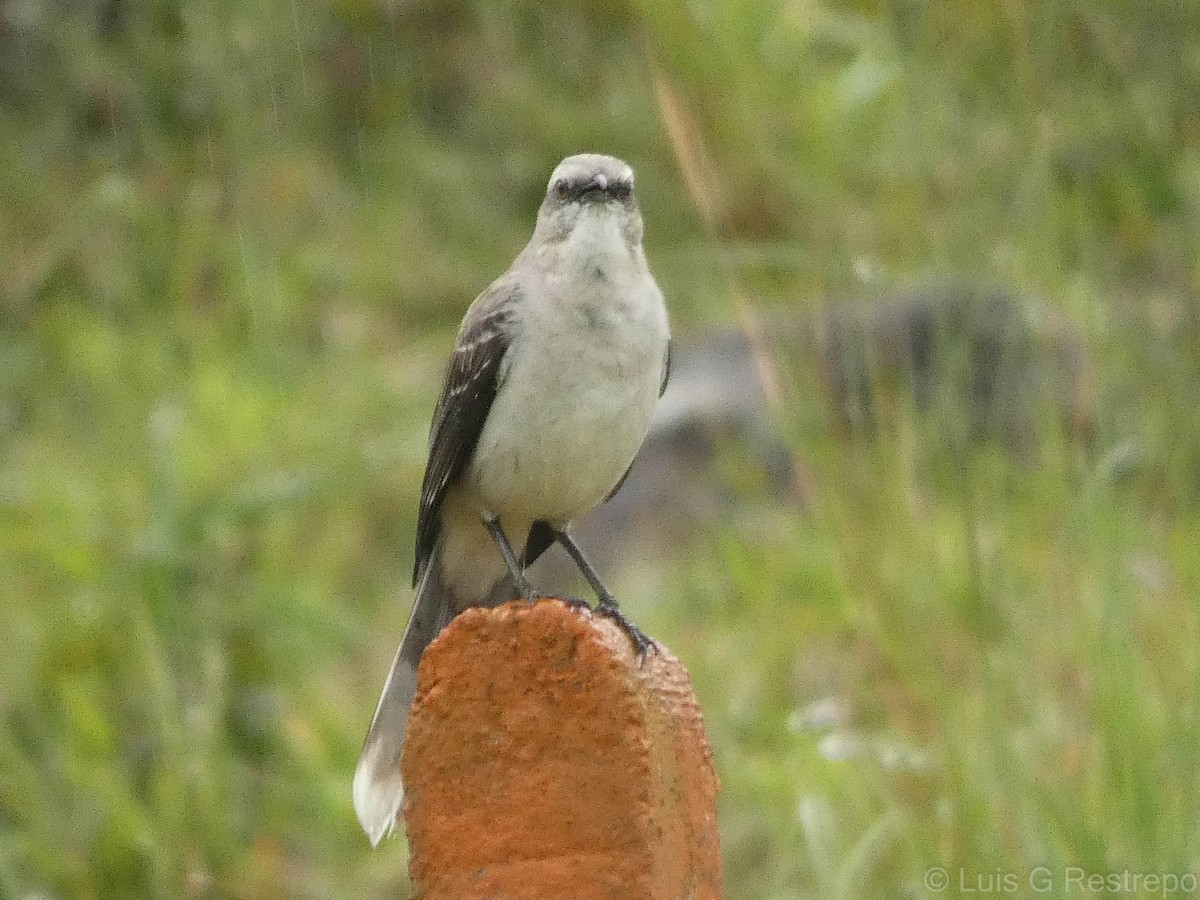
[{"x": 596, "y": 189}]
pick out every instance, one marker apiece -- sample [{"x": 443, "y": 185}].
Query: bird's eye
[
  {"x": 622, "y": 189},
  {"x": 562, "y": 190}
]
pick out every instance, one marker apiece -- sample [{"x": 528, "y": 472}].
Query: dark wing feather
[
  {"x": 541, "y": 536},
  {"x": 472, "y": 379},
  {"x": 620, "y": 484},
  {"x": 666, "y": 375}
]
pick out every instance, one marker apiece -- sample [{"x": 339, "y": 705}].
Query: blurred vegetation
[{"x": 236, "y": 239}]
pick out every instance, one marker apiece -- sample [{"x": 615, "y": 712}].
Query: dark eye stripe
[{"x": 620, "y": 190}]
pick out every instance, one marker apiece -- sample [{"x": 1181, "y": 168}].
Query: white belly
[{"x": 574, "y": 406}]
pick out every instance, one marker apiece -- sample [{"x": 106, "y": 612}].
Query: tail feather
[{"x": 378, "y": 789}]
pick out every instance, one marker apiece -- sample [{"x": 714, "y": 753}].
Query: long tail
[{"x": 378, "y": 790}]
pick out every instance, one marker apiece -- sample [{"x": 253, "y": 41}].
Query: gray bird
[{"x": 547, "y": 398}]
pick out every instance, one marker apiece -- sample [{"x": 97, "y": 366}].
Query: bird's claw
[
  {"x": 529, "y": 595},
  {"x": 578, "y": 604},
  {"x": 642, "y": 643}
]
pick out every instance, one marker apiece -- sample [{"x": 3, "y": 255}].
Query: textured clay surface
[{"x": 542, "y": 763}]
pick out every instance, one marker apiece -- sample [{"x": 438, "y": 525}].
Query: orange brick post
[{"x": 542, "y": 763}]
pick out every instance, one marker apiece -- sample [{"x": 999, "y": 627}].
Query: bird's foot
[
  {"x": 529, "y": 595},
  {"x": 642, "y": 643},
  {"x": 578, "y": 604}
]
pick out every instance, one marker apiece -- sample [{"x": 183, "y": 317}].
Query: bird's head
[{"x": 593, "y": 192}]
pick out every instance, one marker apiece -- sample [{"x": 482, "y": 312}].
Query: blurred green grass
[{"x": 236, "y": 240}]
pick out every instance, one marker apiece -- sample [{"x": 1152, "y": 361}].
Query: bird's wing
[
  {"x": 541, "y": 536},
  {"x": 666, "y": 375},
  {"x": 472, "y": 379}
]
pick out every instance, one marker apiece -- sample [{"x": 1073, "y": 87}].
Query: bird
[{"x": 547, "y": 397}]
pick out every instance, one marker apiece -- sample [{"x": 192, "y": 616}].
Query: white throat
[{"x": 598, "y": 238}]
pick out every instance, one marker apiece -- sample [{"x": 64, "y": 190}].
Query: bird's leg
[
  {"x": 607, "y": 605},
  {"x": 492, "y": 524}
]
